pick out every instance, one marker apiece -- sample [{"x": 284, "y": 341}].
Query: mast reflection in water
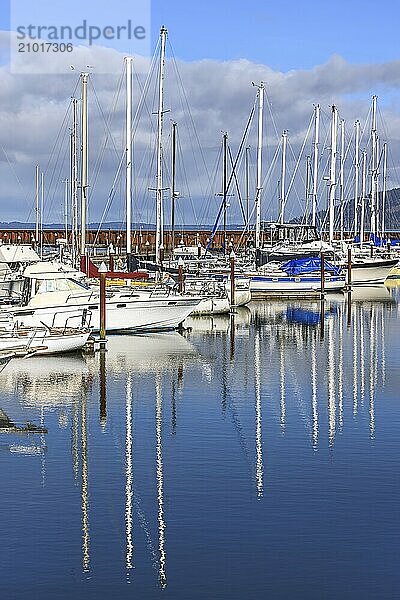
[{"x": 250, "y": 456}]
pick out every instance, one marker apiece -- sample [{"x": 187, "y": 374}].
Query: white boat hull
[
  {"x": 371, "y": 272},
  {"x": 121, "y": 313},
  {"x": 45, "y": 341}
]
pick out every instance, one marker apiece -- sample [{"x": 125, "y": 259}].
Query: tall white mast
[
  {"x": 342, "y": 132},
  {"x": 128, "y": 127},
  {"x": 84, "y": 166},
  {"x": 332, "y": 178},
  {"x": 363, "y": 192},
  {"x": 159, "y": 189},
  {"x": 307, "y": 189},
  {"x": 374, "y": 167},
  {"x": 282, "y": 200},
  {"x": 356, "y": 173},
  {"x": 74, "y": 180},
  {"x": 37, "y": 207},
  {"x": 384, "y": 188},
  {"x": 66, "y": 183},
  {"x": 259, "y": 162},
  {"x": 41, "y": 213},
  {"x": 315, "y": 169}
]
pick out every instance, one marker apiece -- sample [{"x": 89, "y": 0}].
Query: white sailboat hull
[
  {"x": 267, "y": 285},
  {"x": 371, "y": 272}
]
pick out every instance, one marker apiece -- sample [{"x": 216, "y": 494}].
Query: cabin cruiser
[{"x": 56, "y": 296}]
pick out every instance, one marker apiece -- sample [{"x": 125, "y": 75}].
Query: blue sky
[{"x": 286, "y": 34}]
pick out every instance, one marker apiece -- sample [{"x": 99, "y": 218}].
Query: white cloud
[{"x": 220, "y": 96}]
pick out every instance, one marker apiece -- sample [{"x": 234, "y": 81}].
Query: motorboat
[{"x": 54, "y": 296}]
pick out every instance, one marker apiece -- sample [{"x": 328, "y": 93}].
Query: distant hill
[
  {"x": 392, "y": 212},
  {"x": 392, "y": 219}
]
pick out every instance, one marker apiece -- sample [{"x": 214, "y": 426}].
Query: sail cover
[{"x": 300, "y": 266}]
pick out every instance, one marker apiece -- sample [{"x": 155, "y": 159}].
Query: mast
[
  {"x": 341, "y": 180},
  {"x": 374, "y": 167},
  {"x": 225, "y": 181},
  {"x": 282, "y": 200},
  {"x": 307, "y": 187},
  {"x": 37, "y": 206},
  {"x": 317, "y": 111},
  {"x": 84, "y": 167},
  {"x": 259, "y": 163},
  {"x": 66, "y": 183},
  {"x": 173, "y": 191},
  {"x": 247, "y": 150},
  {"x": 41, "y": 213},
  {"x": 378, "y": 162},
  {"x": 159, "y": 189},
  {"x": 74, "y": 180},
  {"x": 128, "y": 133},
  {"x": 363, "y": 192},
  {"x": 356, "y": 174},
  {"x": 332, "y": 177},
  {"x": 384, "y": 190}
]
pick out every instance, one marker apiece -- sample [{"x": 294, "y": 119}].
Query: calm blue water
[{"x": 245, "y": 460}]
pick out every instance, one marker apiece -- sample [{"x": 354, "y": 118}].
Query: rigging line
[
  {"x": 185, "y": 175},
  {"x": 109, "y": 201},
  {"x": 55, "y": 145},
  {"x": 231, "y": 175},
  {"x": 10, "y": 164},
  {"x": 142, "y": 100},
  {"x": 265, "y": 182},
  {"x": 174, "y": 62},
  {"x": 237, "y": 184},
  {"x": 53, "y": 189},
  {"x": 271, "y": 114},
  {"x": 122, "y": 160},
  {"x": 108, "y": 136},
  {"x": 56, "y": 191},
  {"x": 210, "y": 195},
  {"x": 112, "y": 191},
  {"x": 298, "y": 160}
]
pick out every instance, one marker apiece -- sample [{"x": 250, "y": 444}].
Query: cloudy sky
[{"x": 306, "y": 53}]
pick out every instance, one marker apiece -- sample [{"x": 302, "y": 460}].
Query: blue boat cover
[
  {"x": 378, "y": 241},
  {"x": 300, "y": 266}
]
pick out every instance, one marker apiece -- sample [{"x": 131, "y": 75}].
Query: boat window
[{"x": 58, "y": 285}]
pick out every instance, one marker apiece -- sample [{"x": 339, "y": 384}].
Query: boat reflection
[{"x": 267, "y": 361}]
